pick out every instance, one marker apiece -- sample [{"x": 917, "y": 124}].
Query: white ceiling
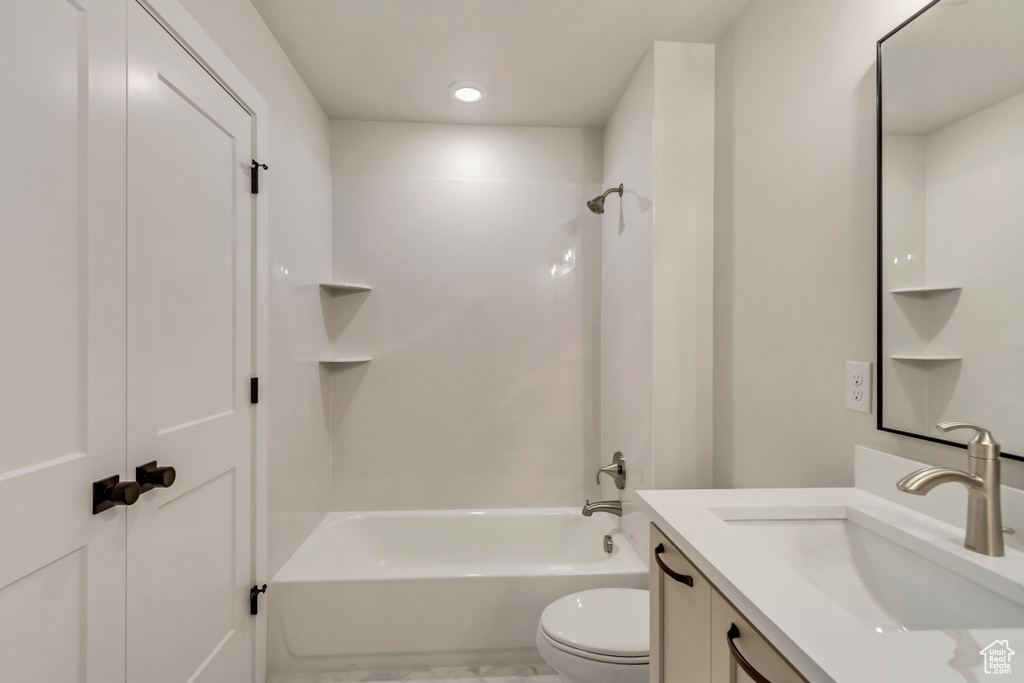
[{"x": 543, "y": 62}]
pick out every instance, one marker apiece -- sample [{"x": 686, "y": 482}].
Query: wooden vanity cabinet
[
  {"x": 697, "y": 636},
  {"x": 680, "y": 616},
  {"x": 739, "y": 654}
]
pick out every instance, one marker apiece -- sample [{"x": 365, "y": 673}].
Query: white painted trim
[{"x": 180, "y": 24}]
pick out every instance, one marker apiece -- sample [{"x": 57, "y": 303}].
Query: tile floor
[{"x": 519, "y": 673}]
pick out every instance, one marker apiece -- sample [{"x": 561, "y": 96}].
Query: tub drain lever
[{"x": 254, "y": 598}]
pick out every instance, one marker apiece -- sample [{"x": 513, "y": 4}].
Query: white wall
[
  {"x": 298, "y": 184},
  {"x": 656, "y": 279},
  {"x": 975, "y": 211},
  {"x": 904, "y": 316},
  {"x": 966, "y": 179},
  {"x": 795, "y": 241},
  {"x": 627, "y": 296},
  {"x": 483, "y": 388}
]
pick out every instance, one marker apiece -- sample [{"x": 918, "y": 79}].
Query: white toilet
[{"x": 598, "y": 636}]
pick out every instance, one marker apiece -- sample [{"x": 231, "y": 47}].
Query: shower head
[{"x": 597, "y": 203}]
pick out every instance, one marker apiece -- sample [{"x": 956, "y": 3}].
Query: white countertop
[{"x": 820, "y": 638}]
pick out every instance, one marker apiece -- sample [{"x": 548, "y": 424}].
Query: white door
[
  {"x": 62, "y": 338},
  {"x": 189, "y": 363}
]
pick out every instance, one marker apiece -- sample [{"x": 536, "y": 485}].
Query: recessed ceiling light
[
  {"x": 468, "y": 94},
  {"x": 467, "y": 91}
]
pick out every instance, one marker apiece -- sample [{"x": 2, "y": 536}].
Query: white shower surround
[
  {"x": 438, "y": 587},
  {"x": 483, "y": 323}
]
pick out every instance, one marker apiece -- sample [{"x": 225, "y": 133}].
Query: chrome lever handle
[
  {"x": 981, "y": 445},
  {"x": 950, "y": 426},
  {"x": 617, "y": 471},
  {"x": 612, "y": 469}
]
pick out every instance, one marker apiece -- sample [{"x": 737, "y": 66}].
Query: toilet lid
[{"x": 607, "y": 621}]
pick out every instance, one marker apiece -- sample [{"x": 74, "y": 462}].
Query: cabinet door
[
  {"x": 680, "y": 614},
  {"x": 739, "y": 654},
  {"x": 189, "y": 362},
  {"x": 62, "y": 405}
]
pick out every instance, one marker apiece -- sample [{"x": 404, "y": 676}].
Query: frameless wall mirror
[{"x": 951, "y": 221}]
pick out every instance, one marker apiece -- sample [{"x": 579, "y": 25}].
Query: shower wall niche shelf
[
  {"x": 925, "y": 291},
  {"x": 344, "y": 360},
  {"x": 334, "y": 287},
  {"x": 345, "y": 287},
  {"x": 921, "y": 300}
]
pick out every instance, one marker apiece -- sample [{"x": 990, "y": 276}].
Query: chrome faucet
[
  {"x": 984, "y": 513},
  {"x": 613, "y": 507}
]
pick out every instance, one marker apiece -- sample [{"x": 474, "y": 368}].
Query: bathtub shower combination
[{"x": 436, "y": 588}]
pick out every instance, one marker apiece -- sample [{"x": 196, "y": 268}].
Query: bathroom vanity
[
  {"x": 696, "y": 633},
  {"x": 832, "y": 584}
]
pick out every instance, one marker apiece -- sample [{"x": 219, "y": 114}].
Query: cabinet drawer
[
  {"x": 680, "y": 614},
  {"x": 739, "y": 654}
]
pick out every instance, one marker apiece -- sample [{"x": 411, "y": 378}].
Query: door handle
[
  {"x": 150, "y": 476},
  {"x": 681, "y": 578},
  {"x": 733, "y": 635},
  {"x": 106, "y": 493}
]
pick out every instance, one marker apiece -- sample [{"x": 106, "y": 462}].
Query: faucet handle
[
  {"x": 617, "y": 470},
  {"x": 981, "y": 445}
]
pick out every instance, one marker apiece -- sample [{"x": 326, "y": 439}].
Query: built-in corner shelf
[
  {"x": 332, "y": 287},
  {"x": 925, "y": 291},
  {"x": 345, "y": 287},
  {"x": 924, "y": 294},
  {"x": 344, "y": 360}
]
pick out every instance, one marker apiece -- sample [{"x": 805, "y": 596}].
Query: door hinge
[
  {"x": 254, "y": 390},
  {"x": 254, "y": 595},
  {"x": 254, "y": 180}
]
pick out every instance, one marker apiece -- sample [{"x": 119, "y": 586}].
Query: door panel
[
  {"x": 184, "y": 285},
  {"x": 62, "y": 278},
  {"x": 42, "y": 234},
  {"x": 189, "y": 362},
  {"x": 680, "y": 616},
  {"x": 53, "y": 595},
  {"x": 198, "y": 587}
]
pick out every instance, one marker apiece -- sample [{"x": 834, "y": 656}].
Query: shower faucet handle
[{"x": 617, "y": 471}]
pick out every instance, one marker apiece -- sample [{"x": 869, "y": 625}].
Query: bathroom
[{"x": 515, "y": 339}]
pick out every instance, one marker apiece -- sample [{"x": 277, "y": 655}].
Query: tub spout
[{"x": 613, "y": 507}]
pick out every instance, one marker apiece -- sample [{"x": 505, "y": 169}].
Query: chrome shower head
[{"x": 597, "y": 203}]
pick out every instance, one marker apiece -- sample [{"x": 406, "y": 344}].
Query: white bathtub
[{"x": 434, "y": 588}]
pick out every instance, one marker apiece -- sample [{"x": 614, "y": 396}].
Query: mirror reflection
[{"x": 951, "y": 221}]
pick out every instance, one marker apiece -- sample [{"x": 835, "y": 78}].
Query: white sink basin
[{"x": 884, "y": 577}]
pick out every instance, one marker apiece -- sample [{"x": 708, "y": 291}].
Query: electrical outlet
[{"x": 858, "y": 386}]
